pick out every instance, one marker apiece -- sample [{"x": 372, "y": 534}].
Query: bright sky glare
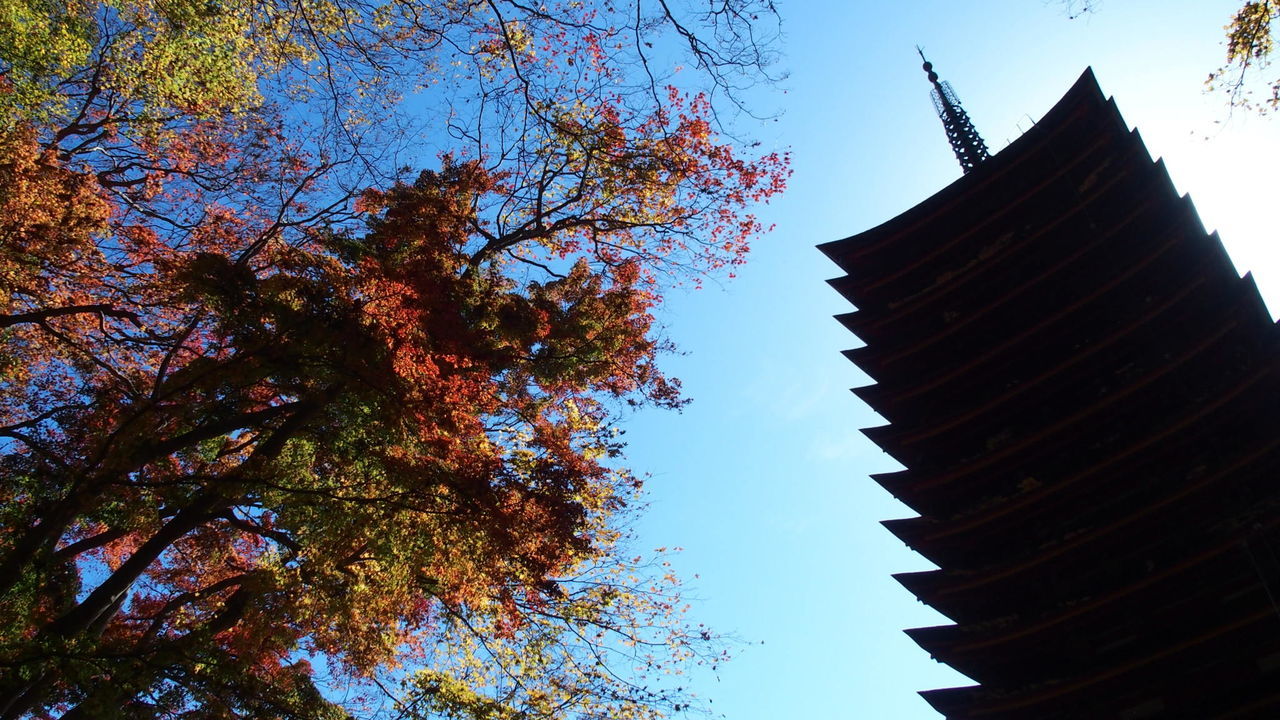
[{"x": 763, "y": 480}]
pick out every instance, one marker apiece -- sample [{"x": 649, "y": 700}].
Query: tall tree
[{"x": 265, "y": 433}]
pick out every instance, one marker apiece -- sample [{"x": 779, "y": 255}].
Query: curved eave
[
  {"x": 1161, "y": 314},
  {"x": 1048, "y": 699},
  {"x": 953, "y": 594},
  {"x": 1060, "y": 319},
  {"x": 909, "y": 530},
  {"x": 918, "y": 486},
  {"x": 1096, "y": 542},
  {"x": 954, "y": 702},
  {"x": 897, "y": 484},
  {"x": 944, "y": 539},
  {"x": 1134, "y": 277},
  {"x": 925, "y": 585},
  {"x": 974, "y": 245},
  {"x": 1132, "y": 167},
  {"x": 1019, "y": 451}
]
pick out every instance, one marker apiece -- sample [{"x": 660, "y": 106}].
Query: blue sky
[{"x": 763, "y": 479}]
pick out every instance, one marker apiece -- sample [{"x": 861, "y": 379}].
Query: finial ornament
[{"x": 965, "y": 140}]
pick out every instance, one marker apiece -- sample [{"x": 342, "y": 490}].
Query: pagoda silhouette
[{"x": 1083, "y": 393}]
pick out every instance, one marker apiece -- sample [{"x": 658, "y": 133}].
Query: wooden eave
[
  {"x": 1244, "y": 692},
  {"x": 914, "y": 488},
  {"x": 1159, "y": 316},
  {"x": 843, "y": 285},
  {"x": 934, "y": 367},
  {"x": 1015, "y": 649},
  {"x": 911, "y": 531},
  {"x": 850, "y": 320},
  {"x": 1028, "y": 446},
  {"x": 997, "y": 233},
  {"x": 1010, "y": 260},
  {"x": 1214, "y": 345},
  {"x": 1095, "y": 542},
  {"x": 942, "y": 540},
  {"x": 1045, "y": 700},
  {"x": 989, "y": 534},
  {"x": 1163, "y": 216},
  {"x": 937, "y": 351},
  {"x": 953, "y": 594},
  {"x": 898, "y": 484},
  {"x": 915, "y": 276},
  {"x": 874, "y": 433},
  {"x": 875, "y": 396}
]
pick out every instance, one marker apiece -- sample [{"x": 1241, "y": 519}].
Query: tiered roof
[{"x": 1083, "y": 393}]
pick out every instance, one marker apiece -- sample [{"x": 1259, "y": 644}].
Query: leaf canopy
[{"x": 287, "y": 431}]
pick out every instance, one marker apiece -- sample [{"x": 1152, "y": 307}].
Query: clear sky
[{"x": 763, "y": 480}]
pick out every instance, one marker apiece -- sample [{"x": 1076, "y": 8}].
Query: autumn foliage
[
  {"x": 1249, "y": 44},
  {"x": 289, "y": 432}
]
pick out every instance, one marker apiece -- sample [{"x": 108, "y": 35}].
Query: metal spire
[{"x": 965, "y": 141}]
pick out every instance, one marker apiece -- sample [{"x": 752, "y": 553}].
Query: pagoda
[{"x": 1083, "y": 394}]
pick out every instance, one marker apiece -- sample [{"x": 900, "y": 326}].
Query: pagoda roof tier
[
  {"x": 1091, "y": 404},
  {"x": 1237, "y": 653},
  {"x": 1078, "y": 121},
  {"x": 1034, "y": 318},
  {"x": 1028, "y": 465},
  {"x": 1017, "y": 368},
  {"x": 1046, "y": 529},
  {"x": 1096, "y": 566},
  {"x": 925, "y": 412},
  {"x": 1010, "y": 653},
  {"x": 1011, "y": 260},
  {"x": 1114, "y": 427},
  {"x": 1022, "y": 251}
]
